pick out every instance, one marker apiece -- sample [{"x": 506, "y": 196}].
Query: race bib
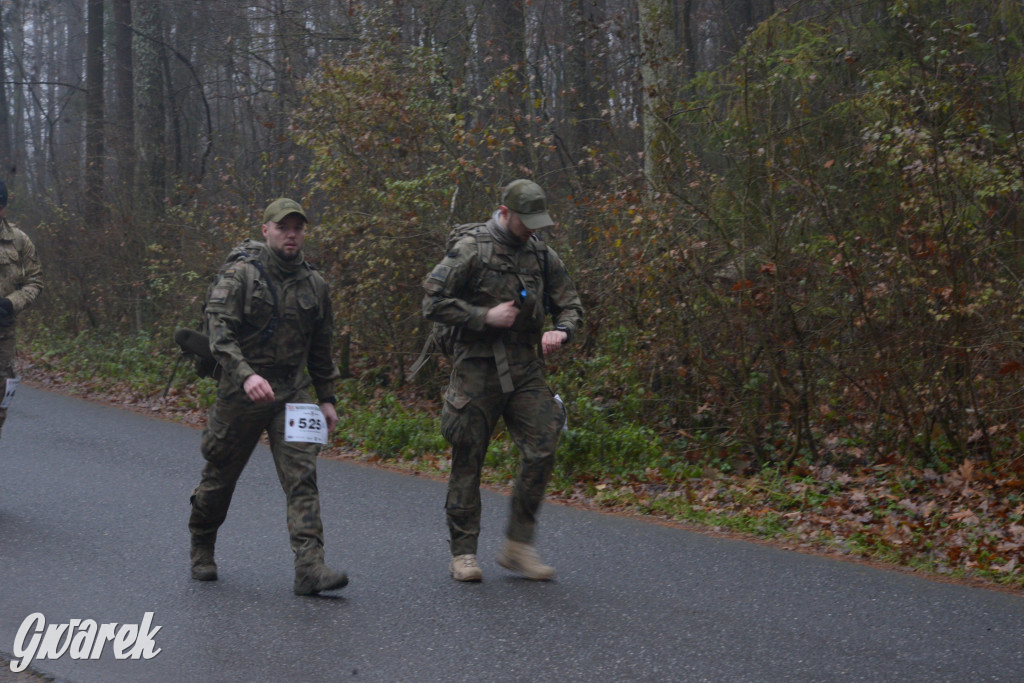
[
  {"x": 303, "y": 422},
  {"x": 12, "y": 385}
]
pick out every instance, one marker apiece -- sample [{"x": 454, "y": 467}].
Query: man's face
[
  {"x": 286, "y": 237},
  {"x": 516, "y": 226}
]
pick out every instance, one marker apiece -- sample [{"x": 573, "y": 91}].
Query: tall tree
[
  {"x": 658, "y": 70},
  {"x": 65, "y": 98},
  {"x": 583, "y": 61},
  {"x": 125, "y": 101},
  {"x": 94, "y": 119},
  {"x": 150, "y": 135},
  {"x": 505, "y": 54},
  {"x": 448, "y": 31},
  {"x": 5, "y": 121}
]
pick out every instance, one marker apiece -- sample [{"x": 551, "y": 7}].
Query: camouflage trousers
[
  {"x": 7, "y": 370},
  {"x": 473, "y": 403},
  {"x": 233, "y": 429}
]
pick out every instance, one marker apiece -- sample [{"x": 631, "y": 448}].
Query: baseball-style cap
[
  {"x": 528, "y": 201},
  {"x": 279, "y": 208}
]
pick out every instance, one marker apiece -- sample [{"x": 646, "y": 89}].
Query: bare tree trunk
[
  {"x": 19, "y": 129},
  {"x": 5, "y": 122},
  {"x": 150, "y": 137},
  {"x": 450, "y": 33},
  {"x": 94, "y": 115},
  {"x": 508, "y": 34},
  {"x": 689, "y": 40},
  {"x": 657, "y": 69},
  {"x": 448, "y": 30},
  {"x": 125, "y": 140},
  {"x": 508, "y": 50},
  {"x": 148, "y": 85},
  {"x": 583, "y": 62},
  {"x": 65, "y": 113}
]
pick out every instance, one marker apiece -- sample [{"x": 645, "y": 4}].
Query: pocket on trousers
[
  {"x": 454, "y": 417},
  {"x": 455, "y": 398},
  {"x": 216, "y": 440}
]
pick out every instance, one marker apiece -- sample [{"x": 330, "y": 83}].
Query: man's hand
[
  {"x": 502, "y": 316},
  {"x": 330, "y": 414},
  {"x": 553, "y": 340},
  {"x": 258, "y": 389}
]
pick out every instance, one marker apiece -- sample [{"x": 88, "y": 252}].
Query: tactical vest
[
  {"x": 262, "y": 309},
  {"x": 503, "y": 275}
]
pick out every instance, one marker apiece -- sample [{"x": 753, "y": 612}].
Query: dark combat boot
[
  {"x": 310, "y": 579},
  {"x": 203, "y": 566}
]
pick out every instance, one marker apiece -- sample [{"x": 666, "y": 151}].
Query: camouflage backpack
[
  {"x": 195, "y": 344},
  {"x": 442, "y": 336}
]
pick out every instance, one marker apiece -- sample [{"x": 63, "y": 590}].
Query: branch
[
  {"x": 32, "y": 83},
  {"x": 202, "y": 93}
]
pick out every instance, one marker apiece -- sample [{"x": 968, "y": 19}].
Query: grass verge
[{"x": 964, "y": 523}]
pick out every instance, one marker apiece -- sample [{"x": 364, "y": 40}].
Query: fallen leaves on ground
[{"x": 965, "y": 522}]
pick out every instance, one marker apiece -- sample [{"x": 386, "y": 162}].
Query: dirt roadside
[{"x": 27, "y": 676}]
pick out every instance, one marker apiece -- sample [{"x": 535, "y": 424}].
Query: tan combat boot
[
  {"x": 465, "y": 568},
  {"x": 203, "y": 566},
  {"x": 313, "y": 578},
  {"x": 523, "y": 559}
]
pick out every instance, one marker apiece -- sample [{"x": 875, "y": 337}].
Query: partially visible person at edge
[
  {"x": 499, "y": 309},
  {"x": 20, "y": 284},
  {"x": 270, "y": 320}
]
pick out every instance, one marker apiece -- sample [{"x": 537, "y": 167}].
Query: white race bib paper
[
  {"x": 12, "y": 385},
  {"x": 305, "y": 423}
]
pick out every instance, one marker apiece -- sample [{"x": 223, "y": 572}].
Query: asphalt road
[{"x": 93, "y": 508}]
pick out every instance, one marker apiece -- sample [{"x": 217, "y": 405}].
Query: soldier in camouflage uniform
[
  {"x": 20, "y": 284},
  {"x": 498, "y": 306},
  {"x": 269, "y": 321}
]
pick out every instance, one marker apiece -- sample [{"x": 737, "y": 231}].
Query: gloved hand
[{"x": 6, "y": 312}]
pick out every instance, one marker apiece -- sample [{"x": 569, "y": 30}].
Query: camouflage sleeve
[
  {"x": 447, "y": 283},
  {"x": 320, "y": 362},
  {"x": 566, "y": 307},
  {"x": 31, "y": 282},
  {"x": 224, "y": 311}
]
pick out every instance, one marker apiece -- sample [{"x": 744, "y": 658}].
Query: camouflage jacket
[
  {"x": 460, "y": 290},
  {"x": 20, "y": 272},
  {"x": 283, "y": 324}
]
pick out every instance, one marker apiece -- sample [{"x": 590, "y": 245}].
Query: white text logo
[{"x": 82, "y": 639}]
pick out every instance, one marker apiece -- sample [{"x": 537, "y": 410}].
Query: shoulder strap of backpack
[
  {"x": 271, "y": 326},
  {"x": 484, "y": 252},
  {"x": 250, "y": 256},
  {"x": 540, "y": 248}
]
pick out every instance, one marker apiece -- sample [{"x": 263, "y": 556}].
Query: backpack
[
  {"x": 442, "y": 336},
  {"x": 195, "y": 344}
]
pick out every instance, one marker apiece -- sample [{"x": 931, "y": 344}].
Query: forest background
[{"x": 796, "y": 228}]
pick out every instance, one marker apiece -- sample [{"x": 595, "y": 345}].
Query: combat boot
[
  {"x": 523, "y": 559},
  {"x": 312, "y": 578},
  {"x": 465, "y": 568},
  {"x": 203, "y": 566}
]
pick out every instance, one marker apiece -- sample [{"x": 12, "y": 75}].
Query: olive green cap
[
  {"x": 527, "y": 200},
  {"x": 279, "y": 208}
]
